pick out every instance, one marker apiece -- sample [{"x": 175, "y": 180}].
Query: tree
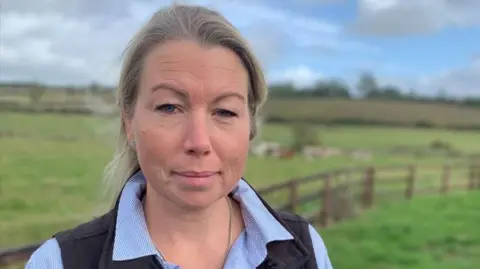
[
  {"x": 388, "y": 92},
  {"x": 441, "y": 95},
  {"x": 94, "y": 88},
  {"x": 36, "y": 92},
  {"x": 333, "y": 88},
  {"x": 282, "y": 90},
  {"x": 304, "y": 134},
  {"x": 367, "y": 84}
]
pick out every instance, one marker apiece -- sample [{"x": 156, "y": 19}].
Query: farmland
[
  {"x": 425, "y": 233},
  {"x": 51, "y": 165},
  {"x": 379, "y": 112}
]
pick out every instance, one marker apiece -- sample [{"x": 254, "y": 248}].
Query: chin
[
  {"x": 198, "y": 201},
  {"x": 195, "y": 195}
]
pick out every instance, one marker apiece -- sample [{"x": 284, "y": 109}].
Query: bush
[
  {"x": 424, "y": 124},
  {"x": 304, "y": 134},
  {"x": 438, "y": 144},
  {"x": 35, "y": 94}
]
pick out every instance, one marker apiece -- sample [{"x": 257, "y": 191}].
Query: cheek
[
  {"x": 232, "y": 147},
  {"x": 153, "y": 148},
  {"x": 237, "y": 160},
  {"x": 147, "y": 121},
  {"x": 156, "y": 137}
]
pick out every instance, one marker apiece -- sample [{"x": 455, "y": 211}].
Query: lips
[
  {"x": 195, "y": 179},
  {"x": 196, "y": 174}
]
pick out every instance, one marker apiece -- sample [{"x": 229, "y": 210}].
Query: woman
[{"x": 189, "y": 92}]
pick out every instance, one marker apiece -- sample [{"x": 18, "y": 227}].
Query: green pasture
[
  {"x": 380, "y": 138},
  {"x": 424, "y": 233},
  {"x": 50, "y": 165}
]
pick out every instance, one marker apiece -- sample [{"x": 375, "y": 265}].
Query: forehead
[{"x": 192, "y": 65}]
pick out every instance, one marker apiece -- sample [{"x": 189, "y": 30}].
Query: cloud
[
  {"x": 276, "y": 33},
  {"x": 300, "y": 76},
  {"x": 54, "y": 42},
  {"x": 463, "y": 81},
  {"x": 320, "y": 2},
  {"x": 401, "y": 17},
  {"x": 72, "y": 8},
  {"x": 48, "y": 45}
]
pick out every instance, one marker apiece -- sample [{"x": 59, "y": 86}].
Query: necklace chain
[
  {"x": 229, "y": 232},
  {"x": 229, "y": 237}
]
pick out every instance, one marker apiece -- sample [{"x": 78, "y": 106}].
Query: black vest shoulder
[
  {"x": 82, "y": 246},
  {"x": 90, "y": 245}
]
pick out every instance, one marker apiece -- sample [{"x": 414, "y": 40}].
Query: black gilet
[{"x": 90, "y": 245}]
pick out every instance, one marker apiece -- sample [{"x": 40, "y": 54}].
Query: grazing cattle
[
  {"x": 361, "y": 155},
  {"x": 263, "y": 148},
  {"x": 312, "y": 152},
  {"x": 286, "y": 154}
]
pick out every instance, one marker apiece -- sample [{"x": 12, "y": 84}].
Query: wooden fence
[{"x": 330, "y": 197}]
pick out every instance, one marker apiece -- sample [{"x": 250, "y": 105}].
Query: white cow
[
  {"x": 265, "y": 148},
  {"x": 312, "y": 152}
]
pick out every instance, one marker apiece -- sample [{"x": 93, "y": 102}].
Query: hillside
[{"x": 382, "y": 112}]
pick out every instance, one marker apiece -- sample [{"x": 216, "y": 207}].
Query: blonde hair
[{"x": 177, "y": 22}]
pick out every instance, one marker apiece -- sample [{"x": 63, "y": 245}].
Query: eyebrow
[
  {"x": 169, "y": 87},
  {"x": 184, "y": 94}
]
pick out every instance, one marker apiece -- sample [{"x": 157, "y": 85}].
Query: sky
[{"x": 425, "y": 45}]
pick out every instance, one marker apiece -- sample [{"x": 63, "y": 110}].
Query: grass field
[
  {"x": 50, "y": 166},
  {"x": 424, "y": 233}
]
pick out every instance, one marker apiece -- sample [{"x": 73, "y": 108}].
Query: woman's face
[{"x": 191, "y": 122}]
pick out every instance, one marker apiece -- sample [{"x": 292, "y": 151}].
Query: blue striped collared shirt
[{"x": 133, "y": 241}]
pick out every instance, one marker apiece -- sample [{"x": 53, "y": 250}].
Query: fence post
[
  {"x": 347, "y": 176},
  {"x": 477, "y": 174},
  {"x": 445, "y": 179},
  {"x": 293, "y": 196},
  {"x": 473, "y": 170},
  {"x": 410, "y": 182},
  {"x": 368, "y": 187},
  {"x": 326, "y": 203}
]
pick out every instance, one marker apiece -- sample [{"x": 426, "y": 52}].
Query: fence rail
[{"x": 330, "y": 197}]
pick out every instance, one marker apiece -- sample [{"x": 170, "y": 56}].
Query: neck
[{"x": 170, "y": 224}]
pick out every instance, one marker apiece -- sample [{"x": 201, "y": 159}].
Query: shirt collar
[
  {"x": 131, "y": 233},
  {"x": 132, "y": 239}
]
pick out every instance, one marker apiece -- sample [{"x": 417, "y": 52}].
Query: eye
[
  {"x": 166, "y": 108},
  {"x": 225, "y": 113}
]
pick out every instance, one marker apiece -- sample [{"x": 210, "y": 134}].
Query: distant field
[
  {"x": 372, "y": 111},
  {"x": 379, "y": 138},
  {"x": 315, "y": 110},
  {"x": 50, "y": 165},
  {"x": 425, "y": 233}
]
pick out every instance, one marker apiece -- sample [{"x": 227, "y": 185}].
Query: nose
[{"x": 197, "y": 141}]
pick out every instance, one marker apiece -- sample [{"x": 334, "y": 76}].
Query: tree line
[{"x": 366, "y": 87}]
